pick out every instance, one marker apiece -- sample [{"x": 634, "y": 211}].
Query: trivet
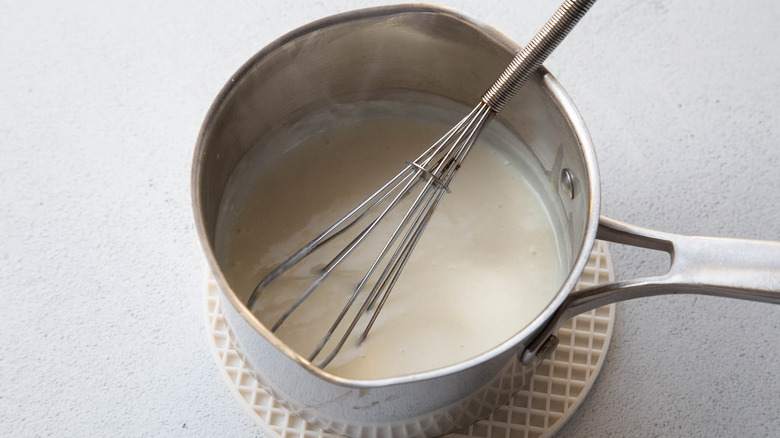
[{"x": 557, "y": 387}]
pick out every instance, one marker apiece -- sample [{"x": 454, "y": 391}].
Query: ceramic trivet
[{"x": 557, "y": 387}]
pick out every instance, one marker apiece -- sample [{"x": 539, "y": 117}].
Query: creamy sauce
[{"x": 486, "y": 266}]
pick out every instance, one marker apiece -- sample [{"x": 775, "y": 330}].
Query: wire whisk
[{"x": 434, "y": 171}]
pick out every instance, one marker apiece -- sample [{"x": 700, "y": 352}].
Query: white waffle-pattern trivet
[{"x": 557, "y": 387}]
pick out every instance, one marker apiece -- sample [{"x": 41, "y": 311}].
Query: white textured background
[{"x": 101, "y": 331}]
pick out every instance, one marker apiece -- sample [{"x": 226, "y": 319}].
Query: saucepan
[{"x": 429, "y": 51}]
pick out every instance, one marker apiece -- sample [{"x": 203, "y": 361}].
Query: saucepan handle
[{"x": 733, "y": 268}]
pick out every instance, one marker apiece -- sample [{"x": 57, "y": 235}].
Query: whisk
[{"x": 434, "y": 169}]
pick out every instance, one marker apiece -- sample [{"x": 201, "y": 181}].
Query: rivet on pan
[
  {"x": 567, "y": 183},
  {"x": 547, "y": 347}
]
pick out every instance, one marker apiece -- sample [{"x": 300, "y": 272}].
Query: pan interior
[{"x": 488, "y": 264}]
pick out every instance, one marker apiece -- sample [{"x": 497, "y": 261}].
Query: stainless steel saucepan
[{"x": 387, "y": 52}]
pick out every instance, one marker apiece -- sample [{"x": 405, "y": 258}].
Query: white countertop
[{"x": 101, "y": 274}]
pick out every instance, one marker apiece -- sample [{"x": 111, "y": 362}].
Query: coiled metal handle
[{"x": 533, "y": 54}]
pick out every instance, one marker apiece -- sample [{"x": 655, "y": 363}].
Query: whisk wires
[{"x": 434, "y": 169}]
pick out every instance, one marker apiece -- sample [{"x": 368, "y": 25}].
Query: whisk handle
[{"x": 535, "y": 52}]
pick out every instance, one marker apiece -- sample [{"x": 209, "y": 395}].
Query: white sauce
[{"x": 485, "y": 267}]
